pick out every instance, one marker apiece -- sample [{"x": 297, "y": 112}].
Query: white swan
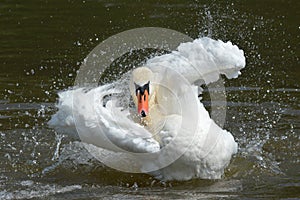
[{"x": 171, "y": 134}]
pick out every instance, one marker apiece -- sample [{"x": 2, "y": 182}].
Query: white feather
[{"x": 204, "y": 151}]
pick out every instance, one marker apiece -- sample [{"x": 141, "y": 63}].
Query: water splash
[{"x": 58, "y": 138}]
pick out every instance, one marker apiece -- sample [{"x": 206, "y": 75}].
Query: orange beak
[{"x": 143, "y": 105}]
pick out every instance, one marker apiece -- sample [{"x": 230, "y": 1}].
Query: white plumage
[{"x": 182, "y": 141}]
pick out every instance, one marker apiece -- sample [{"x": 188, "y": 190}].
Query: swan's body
[{"x": 176, "y": 130}]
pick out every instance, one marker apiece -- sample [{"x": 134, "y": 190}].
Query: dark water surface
[{"x": 43, "y": 43}]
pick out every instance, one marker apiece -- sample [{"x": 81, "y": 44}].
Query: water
[{"x": 42, "y": 44}]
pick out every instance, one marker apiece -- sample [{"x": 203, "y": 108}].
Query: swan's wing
[
  {"x": 204, "y": 59},
  {"x": 100, "y": 123}
]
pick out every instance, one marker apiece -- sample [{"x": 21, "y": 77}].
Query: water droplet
[{"x": 78, "y": 43}]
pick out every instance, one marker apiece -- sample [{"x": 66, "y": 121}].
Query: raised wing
[
  {"x": 100, "y": 123},
  {"x": 203, "y": 59}
]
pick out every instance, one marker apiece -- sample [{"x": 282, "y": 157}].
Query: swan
[{"x": 168, "y": 133}]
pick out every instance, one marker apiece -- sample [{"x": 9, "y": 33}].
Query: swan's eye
[
  {"x": 141, "y": 89},
  {"x": 139, "y": 96},
  {"x": 146, "y": 87}
]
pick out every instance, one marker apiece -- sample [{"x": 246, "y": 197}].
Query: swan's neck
[{"x": 146, "y": 121}]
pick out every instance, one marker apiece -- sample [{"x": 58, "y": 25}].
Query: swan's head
[{"x": 141, "y": 89}]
